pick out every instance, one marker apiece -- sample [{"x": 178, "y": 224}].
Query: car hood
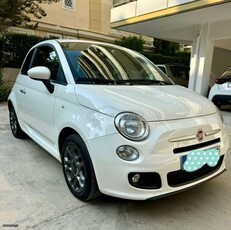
[{"x": 153, "y": 103}]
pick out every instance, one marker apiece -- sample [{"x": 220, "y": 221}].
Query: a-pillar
[{"x": 201, "y": 60}]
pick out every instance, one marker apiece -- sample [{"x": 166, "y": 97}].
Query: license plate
[{"x": 196, "y": 159}]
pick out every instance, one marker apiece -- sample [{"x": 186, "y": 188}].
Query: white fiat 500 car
[
  {"x": 220, "y": 93},
  {"x": 118, "y": 125}
]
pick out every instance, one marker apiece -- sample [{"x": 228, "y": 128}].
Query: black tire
[
  {"x": 14, "y": 125},
  {"x": 78, "y": 169}
]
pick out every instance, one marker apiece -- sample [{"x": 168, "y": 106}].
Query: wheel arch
[
  {"x": 12, "y": 102},
  {"x": 65, "y": 132},
  {"x": 9, "y": 103},
  {"x": 91, "y": 189}
]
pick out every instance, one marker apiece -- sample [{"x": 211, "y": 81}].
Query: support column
[{"x": 201, "y": 60}]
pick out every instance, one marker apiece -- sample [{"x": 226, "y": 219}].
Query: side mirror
[
  {"x": 43, "y": 74},
  {"x": 39, "y": 73}
]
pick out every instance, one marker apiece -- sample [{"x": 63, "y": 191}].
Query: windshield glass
[
  {"x": 101, "y": 64},
  {"x": 227, "y": 74}
]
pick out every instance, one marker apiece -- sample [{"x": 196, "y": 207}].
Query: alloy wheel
[
  {"x": 13, "y": 122},
  {"x": 74, "y": 168}
]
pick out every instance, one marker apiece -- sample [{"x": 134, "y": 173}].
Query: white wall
[
  {"x": 178, "y": 2},
  {"x": 142, "y": 7},
  {"x": 147, "y": 6},
  {"x": 123, "y": 12},
  {"x": 221, "y": 61}
]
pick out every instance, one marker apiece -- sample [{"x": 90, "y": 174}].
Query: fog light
[
  {"x": 127, "y": 153},
  {"x": 135, "y": 178}
]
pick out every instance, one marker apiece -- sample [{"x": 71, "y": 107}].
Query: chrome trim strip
[
  {"x": 186, "y": 138},
  {"x": 212, "y": 132},
  {"x": 192, "y": 137}
]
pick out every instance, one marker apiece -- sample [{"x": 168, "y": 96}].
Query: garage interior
[{"x": 206, "y": 27}]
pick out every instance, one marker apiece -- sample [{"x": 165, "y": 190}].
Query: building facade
[{"x": 81, "y": 19}]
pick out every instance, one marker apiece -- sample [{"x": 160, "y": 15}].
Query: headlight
[{"x": 132, "y": 126}]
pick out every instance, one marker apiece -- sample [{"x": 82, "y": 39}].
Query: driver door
[{"x": 39, "y": 102}]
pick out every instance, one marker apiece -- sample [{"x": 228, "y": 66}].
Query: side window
[
  {"x": 162, "y": 68},
  {"x": 46, "y": 56},
  {"x": 26, "y": 64}
]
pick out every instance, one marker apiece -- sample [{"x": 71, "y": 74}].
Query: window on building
[{"x": 69, "y": 4}]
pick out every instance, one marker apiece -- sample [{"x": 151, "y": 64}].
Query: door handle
[{"x": 23, "y": 91}]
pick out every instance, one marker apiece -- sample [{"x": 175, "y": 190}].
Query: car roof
[
  {"x": 173, "y": 64},
  {"x": 88, "y": 42},
  {"x": 63, "y": 41}
]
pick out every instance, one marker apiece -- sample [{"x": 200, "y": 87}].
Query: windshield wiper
[
  {"x": 142, "y": 81},
  {"x": 95, "y": 80},
  {"x": 120, "y": 82}
]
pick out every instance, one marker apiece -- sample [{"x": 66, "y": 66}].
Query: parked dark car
[{"x": 179, "y": 73}]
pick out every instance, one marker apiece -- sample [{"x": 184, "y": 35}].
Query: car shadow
[{"x": 185, "y": 204}]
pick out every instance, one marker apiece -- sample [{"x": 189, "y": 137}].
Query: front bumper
[
  {"x": 157, "y": 157},
  {"x": 181, "y": 190}
]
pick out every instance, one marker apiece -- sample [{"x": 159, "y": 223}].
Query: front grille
[
  {"x": 197, "y": 146},
  {"x": 181, "y": 177}
]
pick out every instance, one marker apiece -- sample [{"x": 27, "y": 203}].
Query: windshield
[
  {"x": 227, "y": 74},
  {"x": 105, "y": 64}
]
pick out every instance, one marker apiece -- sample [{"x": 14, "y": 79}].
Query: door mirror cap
[
  {"x": 39, "y": 73},
  {"x": 43, "y": 74}
]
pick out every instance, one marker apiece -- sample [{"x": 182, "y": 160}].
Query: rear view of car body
[{"x": 220, "y": 93}]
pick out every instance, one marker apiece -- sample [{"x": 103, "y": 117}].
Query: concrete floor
[{"x": 33, "y": 195}]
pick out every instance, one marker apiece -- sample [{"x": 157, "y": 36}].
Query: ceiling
[
  {"x": 181, "y": 27},
  {"x": 224, "y": 44}
]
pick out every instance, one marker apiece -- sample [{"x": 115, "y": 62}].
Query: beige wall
[
  {"x": 95, "y": 15},
  {"x": 57, "y": 15},
  {"x": 218, "y": 66},
  {"x": 92, "y": 15},
  {"x": 89, "y": 19},
  {"x": 106, "y": 15}
]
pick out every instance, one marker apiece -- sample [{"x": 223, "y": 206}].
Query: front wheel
[{"x": 78, "y": 170}]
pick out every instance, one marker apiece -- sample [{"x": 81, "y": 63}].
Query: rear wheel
[
  {"x": 78, "y": 170},
  {"x": 14, "y": 125}
]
